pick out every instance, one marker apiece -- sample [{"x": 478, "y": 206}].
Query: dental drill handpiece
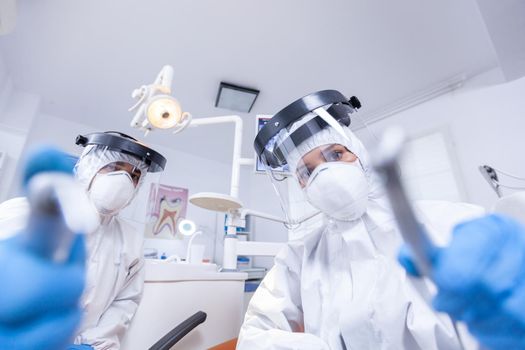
[
  {"x": 59, "y": 208},
  {"x": 385, "y": 161}
]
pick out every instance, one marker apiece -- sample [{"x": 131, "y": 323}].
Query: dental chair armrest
[{"x": 179, "y": 332}]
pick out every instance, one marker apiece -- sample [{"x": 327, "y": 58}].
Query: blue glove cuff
[
  {"x": 80, "y": 347},
  {"x": 405, "y": 259}
]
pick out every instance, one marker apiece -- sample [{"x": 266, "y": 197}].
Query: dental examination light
[{"x": 156, "y": 108}]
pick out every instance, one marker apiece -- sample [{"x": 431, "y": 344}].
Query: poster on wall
[{"x": 168, "y": 206}]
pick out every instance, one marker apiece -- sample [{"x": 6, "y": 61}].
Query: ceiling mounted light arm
[
  {"x": 164, "y": 79},
  {"x": 237, "y": 160},
  {"x": 156, "y": 108},
  {"x": 162, "y": 83}
]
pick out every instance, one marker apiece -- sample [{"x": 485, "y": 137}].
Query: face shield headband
[{"x": 126, "y": 144}]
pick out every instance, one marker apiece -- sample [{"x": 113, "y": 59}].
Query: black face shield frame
[{"x": 126, "y": 144}]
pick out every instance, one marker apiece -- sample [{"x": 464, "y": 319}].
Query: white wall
[
  {"x": 3, "y": 69},
  {"x": 46, "y": 129},
  {"x": 20, "y": 110},
  {"x": 16, "y": 116},
  {"x": 17, "y": 108},
  {"x": 5, "y": 84},
  {"x": 17, "y": 111},
  {"x": 485, "y": 120},
  {"x": 197, "y": 175},
  {"x": 12, "y": 143},
  {"x": 504, "y": 23},
  {"x": 262, "y": 197}
]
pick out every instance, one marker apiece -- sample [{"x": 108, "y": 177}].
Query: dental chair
[
  {"x": 174, "y": 291},
  {"x": 229, "y": 345},
  {"x": 177, "y": 333}
]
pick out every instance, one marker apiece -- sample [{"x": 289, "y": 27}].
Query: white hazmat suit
[{"x": 340, "y": 286}]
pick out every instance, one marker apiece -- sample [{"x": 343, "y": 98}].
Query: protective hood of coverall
[
  {"x": 115, "y": 267},
  {"x": 340, "y": 287}
]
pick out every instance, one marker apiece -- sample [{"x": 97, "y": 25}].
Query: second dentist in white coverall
[
  {"x": 111, "y": 174},
  {"x": 340, "y": 286}
]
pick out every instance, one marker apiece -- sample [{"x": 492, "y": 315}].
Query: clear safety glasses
[
  {"x": 134, "y": 172},
  {"x": 319, "y": 155}
]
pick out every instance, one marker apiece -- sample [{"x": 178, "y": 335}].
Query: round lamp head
[
  {"x": 187, "y": 227},
  {"x": 163, "y": 112},
  {"x": 215, "y": 201}
]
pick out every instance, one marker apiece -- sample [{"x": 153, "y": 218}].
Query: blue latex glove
[
  {"x": 480, "y": 278},
  {"x": 80, "y": 347},
  {"x": 39, "y": 299},
  {"x": 46, "y": 158}
]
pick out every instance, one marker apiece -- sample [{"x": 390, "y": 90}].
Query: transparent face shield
[
  {"x": 321, "y": 135},
  {"x": 309, "y": 143},
  {"x": 142, "y": 210},
  {"x": 119, "y": 182}
]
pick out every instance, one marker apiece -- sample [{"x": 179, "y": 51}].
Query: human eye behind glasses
[
  {"x": 338, "y": 153},
  {"x": 133, "y": 172}
]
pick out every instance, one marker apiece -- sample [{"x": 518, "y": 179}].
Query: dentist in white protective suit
[
  {"x": 340, "y": 286},
  {"x": 111, "y": 168}
]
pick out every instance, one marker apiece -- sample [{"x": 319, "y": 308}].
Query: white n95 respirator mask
[
  {"x": 111, "y": 192},
  {"x": 339, "y": 190}
]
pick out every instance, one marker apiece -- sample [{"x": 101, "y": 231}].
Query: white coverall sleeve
[
  {"x": 274, "y": 319},
  {"x": 117, "y": 318}
]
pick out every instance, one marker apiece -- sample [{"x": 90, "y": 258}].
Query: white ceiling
[{"x": 85, "y": 57}]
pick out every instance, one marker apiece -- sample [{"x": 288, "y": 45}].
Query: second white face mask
[
  {"x": 339, "y": 189},
  {"x": 111, "y": 192}
]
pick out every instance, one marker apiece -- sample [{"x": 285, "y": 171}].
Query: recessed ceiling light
[{"x": 236, "y": 98}]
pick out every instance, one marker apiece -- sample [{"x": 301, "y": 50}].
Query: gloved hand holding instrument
[
  {"x": 42, "y": 267},
  {"x": 385, "y": 161},
  {"x": 480, "y": 275}
]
